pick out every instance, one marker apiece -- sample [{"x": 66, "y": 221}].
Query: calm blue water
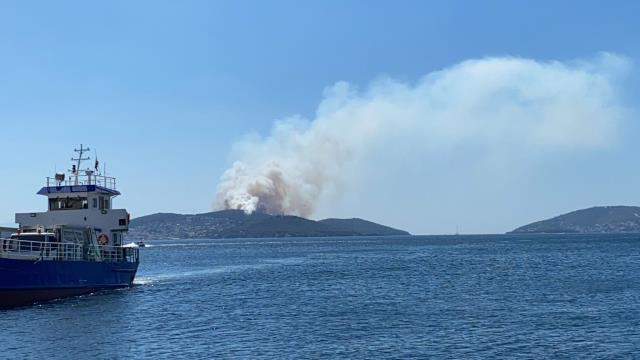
[{"x": 422, "y": 297}]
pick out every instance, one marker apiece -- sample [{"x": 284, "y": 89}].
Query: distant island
[
  {"x": 238, "y": 224},
  {"x": 600, "y": 219}
]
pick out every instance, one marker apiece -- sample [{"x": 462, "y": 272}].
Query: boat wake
[{"x": 169, "y": 277}]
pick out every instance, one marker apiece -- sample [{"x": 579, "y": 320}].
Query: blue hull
[{"x": 24, "y": 282}]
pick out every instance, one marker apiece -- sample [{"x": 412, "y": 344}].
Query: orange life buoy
[{"x": 103, "y": 239}]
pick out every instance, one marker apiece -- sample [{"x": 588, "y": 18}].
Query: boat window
[
  {"x": 71, "y": 236},
  {"x": 106, "y": 203},
  {"x": 101, "y": 200},
  {"x": 95, "y": 203},
  {"x": 68, "y": 203}
]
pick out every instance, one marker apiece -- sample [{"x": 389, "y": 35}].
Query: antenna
[{"x": 80, "y": 159}]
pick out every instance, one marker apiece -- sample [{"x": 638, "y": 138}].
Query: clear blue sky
[{"x": 163, "y": 89}]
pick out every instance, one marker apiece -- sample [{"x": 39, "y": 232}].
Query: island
[
  {"x": 238, "y": 224},
  {"x": 599, "y": 219}
]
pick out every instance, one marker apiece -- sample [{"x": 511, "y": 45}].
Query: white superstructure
[{"x": 83, "y": 200}]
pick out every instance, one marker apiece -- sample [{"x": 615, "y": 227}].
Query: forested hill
[
  {"x": 601, "y": 219},
  {"x": 236, "y": 224}
]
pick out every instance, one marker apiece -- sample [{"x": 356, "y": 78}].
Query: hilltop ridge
[
  {"x": 598, "y": 219},
  {"x": 238, "y": 224}
]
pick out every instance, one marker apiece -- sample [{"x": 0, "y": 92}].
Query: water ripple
[{"x": 418, "y": 297}]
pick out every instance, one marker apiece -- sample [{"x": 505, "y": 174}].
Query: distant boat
[{"x": 140, "y": 243}]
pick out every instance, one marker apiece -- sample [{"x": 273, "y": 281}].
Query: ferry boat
[{"x": 73, "y": 248}]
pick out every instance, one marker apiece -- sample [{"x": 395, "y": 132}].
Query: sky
[{"x": 172, "y": 94}]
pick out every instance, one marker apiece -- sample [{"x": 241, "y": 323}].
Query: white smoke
[{"x": 514, "y": 103}]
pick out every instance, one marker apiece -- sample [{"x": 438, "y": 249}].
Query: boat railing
[
  {"x": 17, "y": 248},
  {"x": 112, "y": 253},
  {"x": 98, "y": 180},
  {"x": 65, "y": 251}
]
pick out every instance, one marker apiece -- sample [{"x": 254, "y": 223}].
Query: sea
[{"x": 410, "y": 297}]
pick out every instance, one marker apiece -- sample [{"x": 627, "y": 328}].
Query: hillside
[
  {"x": 601, "y": 219},
  {"x": 237, "y": 224},
  {"x": 362, "y": 227}
]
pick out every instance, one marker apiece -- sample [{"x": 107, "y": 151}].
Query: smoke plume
[{"x": 512, "y": 104}]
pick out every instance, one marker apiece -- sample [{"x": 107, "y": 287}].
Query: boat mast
[{"x": 80, "y": 159}]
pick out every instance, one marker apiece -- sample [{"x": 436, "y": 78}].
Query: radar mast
[{"x": 75, "y": 170}]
